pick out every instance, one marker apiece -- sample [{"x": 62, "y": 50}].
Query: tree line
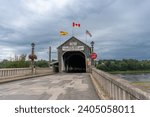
[
  {"x": 21, "y": 62},
  {"x": 123, "y": 65}
]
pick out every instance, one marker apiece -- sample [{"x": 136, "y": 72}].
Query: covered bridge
[{"x": 73, "y": 56}]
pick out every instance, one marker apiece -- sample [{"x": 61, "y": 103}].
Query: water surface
[{"x": 135, "y": 77}]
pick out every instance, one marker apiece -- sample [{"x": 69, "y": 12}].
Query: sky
[{"x": 119, "y": 28}]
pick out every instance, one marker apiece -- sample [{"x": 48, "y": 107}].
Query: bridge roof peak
[{"x": 73, "y": 39}]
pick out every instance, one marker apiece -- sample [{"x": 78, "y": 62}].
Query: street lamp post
[
  {"x": 92, "y": 46},
  {"x": 92, "y": 50},
  {"x": 32, "y": 56}
]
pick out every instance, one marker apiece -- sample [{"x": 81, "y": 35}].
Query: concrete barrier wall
[
  {"x": 14, "y": 72},
  {"x": 8, "y": 72},
  {"x": 117, "y": 88},
  {"x": 43, "y": 70}
]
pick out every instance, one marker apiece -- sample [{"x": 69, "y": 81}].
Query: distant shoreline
[{"x": 129, "y": 72}]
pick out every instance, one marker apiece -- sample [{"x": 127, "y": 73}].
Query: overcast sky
[{"x": 119, "y": 28}]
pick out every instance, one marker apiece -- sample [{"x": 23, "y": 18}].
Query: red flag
[
  {"x": 87, "y": 32},
  {"x": 75, "y": 24}
]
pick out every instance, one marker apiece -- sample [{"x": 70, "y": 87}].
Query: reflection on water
[{"x": 135, "y": 77}]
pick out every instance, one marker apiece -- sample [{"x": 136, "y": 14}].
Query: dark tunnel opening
[{"x": 74, "y": 62}]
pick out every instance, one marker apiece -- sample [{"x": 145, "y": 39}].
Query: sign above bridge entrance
[{"x": 73, "y": 48}]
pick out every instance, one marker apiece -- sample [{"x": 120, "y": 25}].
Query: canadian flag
[{"x": 75, "y": 24}]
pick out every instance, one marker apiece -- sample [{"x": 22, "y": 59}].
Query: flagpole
[
  {"x": 88, "y": 33},
  {"x": 60, "y": 39},
  {"x": 85, "y": 38},
  {"x": 72, "y": 31},
  {"x": 74, "y": 25},
  {"x": 72, "y": 28}
]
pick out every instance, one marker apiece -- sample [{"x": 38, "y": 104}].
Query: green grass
[
  {"x": 140, "y": 82},
  {"x": 143, "y": 85},
  {"x": 130, "y": 72}
]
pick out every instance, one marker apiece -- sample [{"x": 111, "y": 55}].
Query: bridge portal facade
[{"x": 73, "y": 56}]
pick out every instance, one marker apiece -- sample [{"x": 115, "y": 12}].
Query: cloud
[{"x": 120, "y": 29}]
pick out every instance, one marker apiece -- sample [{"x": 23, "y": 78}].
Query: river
[
  {"x": 135, "y": 77},
  {"x": 141, "y": 81}
]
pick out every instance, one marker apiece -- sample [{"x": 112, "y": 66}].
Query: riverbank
[
  {"x": 145, "y": 85},
  {"x": 130, "y": 72}
]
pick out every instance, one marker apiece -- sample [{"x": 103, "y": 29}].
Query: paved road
[{"x": 77, "y": 86}]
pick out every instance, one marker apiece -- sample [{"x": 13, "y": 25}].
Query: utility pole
[{"x": 49, "y": 56}]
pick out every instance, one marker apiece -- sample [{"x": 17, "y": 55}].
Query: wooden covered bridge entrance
[{"x": 73, "y": 56}]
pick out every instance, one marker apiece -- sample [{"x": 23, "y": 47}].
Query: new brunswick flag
[{"x": 63, "y": 33}]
